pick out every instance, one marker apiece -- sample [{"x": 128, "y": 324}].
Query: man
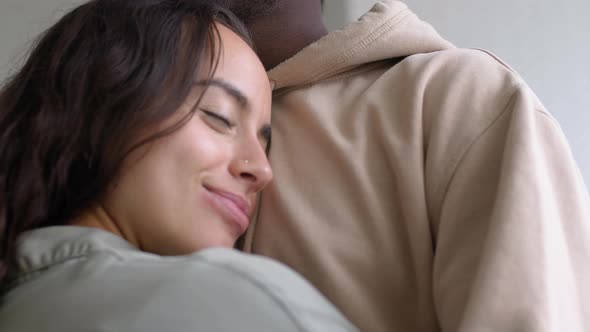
[{"x": 419, "y": 186}]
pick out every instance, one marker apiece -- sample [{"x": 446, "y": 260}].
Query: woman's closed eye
[{"x": 218, "y": 119}]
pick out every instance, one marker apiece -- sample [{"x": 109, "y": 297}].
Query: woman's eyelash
[{"x": 219, "y": 117}]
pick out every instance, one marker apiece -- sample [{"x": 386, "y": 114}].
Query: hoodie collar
[{"x": 389, "y": 30}]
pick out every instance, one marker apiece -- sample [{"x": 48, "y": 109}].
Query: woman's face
[{"x": 197, "y": 187}]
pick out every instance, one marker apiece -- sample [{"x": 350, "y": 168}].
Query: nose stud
[{"x": 245, "y": 161}]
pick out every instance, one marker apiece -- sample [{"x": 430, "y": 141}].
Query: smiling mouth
[{"x": 231, "y": 207}]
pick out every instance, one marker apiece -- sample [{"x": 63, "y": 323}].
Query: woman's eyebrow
[
  {"x": 242, "y": 100},
  {"x": 230, "y": 89}
]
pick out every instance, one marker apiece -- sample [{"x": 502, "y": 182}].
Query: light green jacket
[{"x": 83, "y": 279}]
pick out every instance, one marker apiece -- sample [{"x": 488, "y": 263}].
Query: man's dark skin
[{"x": 280, "y": 28}]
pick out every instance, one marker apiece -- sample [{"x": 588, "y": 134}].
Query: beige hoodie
[{"x": 423, "y": 187}]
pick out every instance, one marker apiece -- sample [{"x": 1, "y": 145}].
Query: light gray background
[
  {"x": 547, "y": 42},
  {"x": 20, "y": 23}
]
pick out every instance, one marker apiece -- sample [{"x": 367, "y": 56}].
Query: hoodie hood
[{"x": 389, "y": 30}]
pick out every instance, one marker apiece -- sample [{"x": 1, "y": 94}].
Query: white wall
[
  {"x": 20, "y": 22},
  {"x": 546, "y": 41}
]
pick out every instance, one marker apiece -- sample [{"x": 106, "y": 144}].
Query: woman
[{"x": 133, "y": 139}]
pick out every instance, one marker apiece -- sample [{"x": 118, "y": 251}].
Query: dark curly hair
[{"x": 107, "y": 70}]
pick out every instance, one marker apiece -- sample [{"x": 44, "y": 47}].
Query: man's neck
[{"x": 279, "y": 37}]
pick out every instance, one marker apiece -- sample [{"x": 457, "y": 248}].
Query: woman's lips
[{"x": 231, "y": 206}]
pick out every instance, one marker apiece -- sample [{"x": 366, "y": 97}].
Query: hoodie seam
[
  {"x": 456, "y": 162},
  {"x": 363, "y": 69},
  {"x": 364, "y": 42}
]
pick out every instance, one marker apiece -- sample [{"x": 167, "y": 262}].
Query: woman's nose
[{"x": 254, "y": 168}]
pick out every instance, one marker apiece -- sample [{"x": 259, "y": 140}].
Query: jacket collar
[{"x": 42, "y": 248}]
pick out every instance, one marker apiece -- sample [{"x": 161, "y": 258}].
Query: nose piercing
[{"x": 245, "y": 161}]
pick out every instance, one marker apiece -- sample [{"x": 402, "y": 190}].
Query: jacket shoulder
[{"x": 215, "y": 289}]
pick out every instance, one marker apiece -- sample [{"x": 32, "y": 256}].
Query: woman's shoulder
[
  {"x": 216, "y": 263},
  {"x": 86, "y": 255},
  {"x": 110, "y": 284},
  {"x": 229, "y": 276},
  {"x": 221, "y": 286}
]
